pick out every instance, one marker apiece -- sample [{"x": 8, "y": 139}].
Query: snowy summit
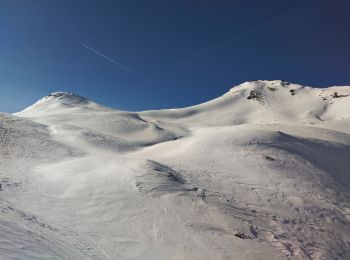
[{"x": 261, "y": 172}]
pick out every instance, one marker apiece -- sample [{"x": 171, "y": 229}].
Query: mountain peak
[
  {"x": 261, "y": 84},
  {"x": 66, "y": 96},
  {"x": 61, "y": 102}
]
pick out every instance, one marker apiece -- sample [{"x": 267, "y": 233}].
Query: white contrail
[{"x": 115, "y": 62}]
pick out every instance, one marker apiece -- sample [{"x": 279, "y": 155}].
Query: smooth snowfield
[{"x": 262, "y": 172}]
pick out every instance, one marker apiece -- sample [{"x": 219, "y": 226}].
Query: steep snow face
[{"x": 258, "y": 173}]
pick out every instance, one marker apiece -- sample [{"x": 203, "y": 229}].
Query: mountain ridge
[{"x": 275, "y": 100}]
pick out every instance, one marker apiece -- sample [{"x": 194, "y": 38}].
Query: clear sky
[{"x": 137, "y": 55}]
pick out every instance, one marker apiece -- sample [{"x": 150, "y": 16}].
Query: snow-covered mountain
[{"x": 261, "y": 172}]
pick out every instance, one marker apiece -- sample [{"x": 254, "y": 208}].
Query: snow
[{"x": 233, "y": 178}]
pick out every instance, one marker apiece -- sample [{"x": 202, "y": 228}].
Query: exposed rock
[
  {"x": 254, "y": 95},
  {"x": 336, "y": 95}
]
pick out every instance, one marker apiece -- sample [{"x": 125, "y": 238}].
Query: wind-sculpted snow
[
  {"x": 24, "y": 140},
  {"x": 261, "y": 172}
]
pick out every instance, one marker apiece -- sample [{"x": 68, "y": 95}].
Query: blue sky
[{"x": 172, "y": 53}]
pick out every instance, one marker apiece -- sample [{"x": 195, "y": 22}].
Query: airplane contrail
[{"x": 115, "y": 62}]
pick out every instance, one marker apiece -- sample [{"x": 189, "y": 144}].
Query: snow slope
[{"x": 261, "y": 172}]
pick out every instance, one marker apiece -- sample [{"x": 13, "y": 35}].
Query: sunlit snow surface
[{"x": 262, "y": 172}]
